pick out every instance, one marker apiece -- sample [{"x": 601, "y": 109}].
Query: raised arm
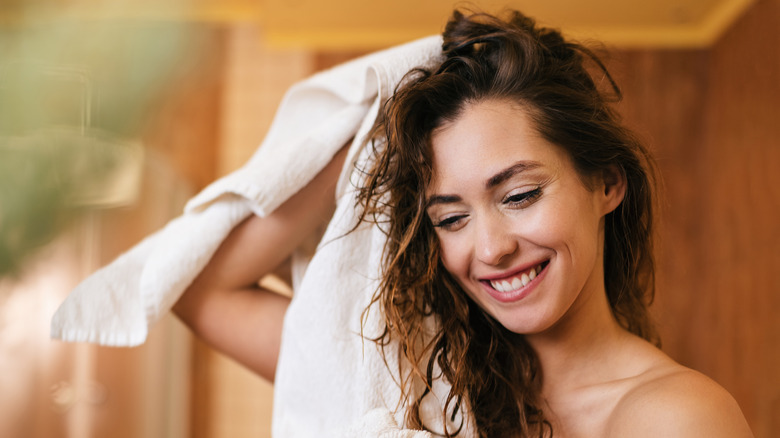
[{"x": 224, "y": 305}]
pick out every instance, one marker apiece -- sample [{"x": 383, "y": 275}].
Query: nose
[{"x": 494, "y": 241}]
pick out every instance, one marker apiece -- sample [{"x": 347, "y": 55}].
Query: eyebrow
[
  {"x": 493, "y": 181},
  {"x": 441, "y": 199},
  {"x": 509, "y": 172}
]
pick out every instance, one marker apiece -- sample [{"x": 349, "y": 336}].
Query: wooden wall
[
  {"x": 739, "y": 236},
  {"x": 713, "y": 120}
]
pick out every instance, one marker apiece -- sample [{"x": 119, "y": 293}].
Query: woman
[
  {"x": 518, "y": 259},
  {"x": 520, "y": 218}
]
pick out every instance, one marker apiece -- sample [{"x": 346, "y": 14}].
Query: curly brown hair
[{"x": 494, "y": 374}]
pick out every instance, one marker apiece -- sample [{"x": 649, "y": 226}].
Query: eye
[
  {"x": 523, "y": 199},
  {"x": 450, "y": 223}
]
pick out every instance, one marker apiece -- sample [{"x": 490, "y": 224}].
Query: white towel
[
  {"x": 118, "y": 304},
  {"x": 328, "y": 377},
  {"x": 379, "y": 423}
]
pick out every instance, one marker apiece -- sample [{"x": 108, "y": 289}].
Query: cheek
[
  {"x": 454, "y": 255},
  {"x": 562, "y": 221},
  {"x": 540, "y": 227},
  {"x": 574, "y": 237}
]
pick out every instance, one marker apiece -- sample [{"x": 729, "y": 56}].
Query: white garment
[
  {"x": 379, "y": 423},
  {"x": 329, "y": 380}
]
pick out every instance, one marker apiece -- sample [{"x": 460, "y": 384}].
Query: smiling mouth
[{"x": 518, "y": 281}]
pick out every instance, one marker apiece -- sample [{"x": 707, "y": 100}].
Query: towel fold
[{"x": 379, "y": 423}]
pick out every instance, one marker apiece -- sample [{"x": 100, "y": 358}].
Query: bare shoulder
[{"x": 672, "y": 400}]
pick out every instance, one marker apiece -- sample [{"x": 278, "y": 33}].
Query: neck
[{"x": 574, "y": 352}]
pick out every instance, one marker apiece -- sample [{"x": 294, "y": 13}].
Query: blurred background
[{"x": 113, "y": 113}]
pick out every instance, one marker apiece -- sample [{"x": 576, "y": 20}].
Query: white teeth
[
  {"x": 501, "y": 286},
  {"x": 517, "y": 282}
]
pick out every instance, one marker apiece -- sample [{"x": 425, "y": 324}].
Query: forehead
[{"x": 484, "y": 139}]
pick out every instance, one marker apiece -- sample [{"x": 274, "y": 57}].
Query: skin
[
  {"x": 225, "y": 306},
  {"x": 504, "y": 201}
]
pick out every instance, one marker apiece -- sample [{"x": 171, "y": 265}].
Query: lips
[{"x": 516, "y": 281}]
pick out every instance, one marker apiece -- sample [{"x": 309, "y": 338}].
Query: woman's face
[{"x": 518, "y": 228}]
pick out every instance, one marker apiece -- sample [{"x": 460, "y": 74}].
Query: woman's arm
[{"x": 225, "y": 307}]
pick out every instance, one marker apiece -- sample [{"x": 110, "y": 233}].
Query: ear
[{"x": 613, "y": 189}]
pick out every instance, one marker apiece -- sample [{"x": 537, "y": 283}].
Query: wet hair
[{"x": 494, "y": 375}]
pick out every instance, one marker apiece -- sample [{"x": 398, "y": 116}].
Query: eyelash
[
  {"x": 519, "y": 200},
  {"x": 446, "y": 224},
  {"x": 523, "y": 199}
]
